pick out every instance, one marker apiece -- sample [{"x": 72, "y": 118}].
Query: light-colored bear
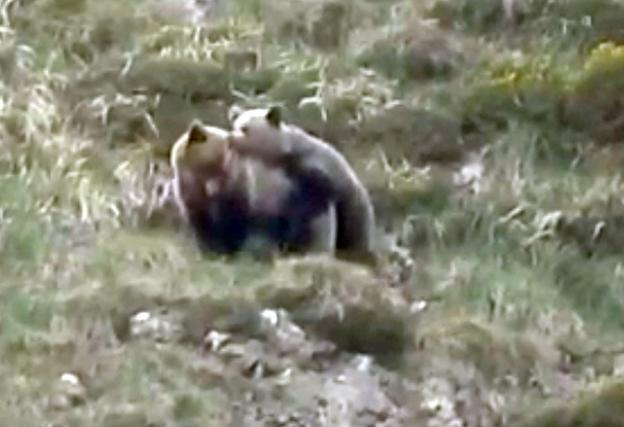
[{"x": 262, "y": 134}]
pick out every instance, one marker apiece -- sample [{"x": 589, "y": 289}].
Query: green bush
[
  {"x": 595, "y": 104},
  {"x": 529, "y": 89}
]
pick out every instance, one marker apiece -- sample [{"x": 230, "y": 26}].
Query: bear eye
[{"x": 245, "y": 130}]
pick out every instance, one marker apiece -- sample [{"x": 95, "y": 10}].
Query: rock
[
  {"x": 214, "y": 340},
  {"x": 281, "y": 332},
  {"x": 155, "y": 326},
  {"x": 69, "y": 392}
]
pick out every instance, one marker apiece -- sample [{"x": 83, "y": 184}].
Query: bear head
[
  {"x": 258, "y": 132},
  {"x": 203, "y": 153}
]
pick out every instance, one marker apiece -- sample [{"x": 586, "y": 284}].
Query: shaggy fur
[{"x": 227, "y": 199}]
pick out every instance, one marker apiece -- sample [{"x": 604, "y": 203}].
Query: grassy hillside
[{"x": 489, "y": 133}]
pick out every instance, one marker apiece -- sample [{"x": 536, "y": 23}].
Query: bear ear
[
  {"x": 196, "y": 132},
  {"x": 274, "y": 116},
  {"x": 234, "y": 112}
]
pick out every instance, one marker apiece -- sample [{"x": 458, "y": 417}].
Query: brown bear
[
  {"x": 229, "y": 201},
  {"x": 261, "y": 134}
]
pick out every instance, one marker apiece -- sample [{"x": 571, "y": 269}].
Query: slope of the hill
[{"x": 488, "y": 131}]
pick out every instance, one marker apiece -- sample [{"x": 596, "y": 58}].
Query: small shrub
[
  {"x": 526, "y": 88},
  {"x": 595, "y": 104}
]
